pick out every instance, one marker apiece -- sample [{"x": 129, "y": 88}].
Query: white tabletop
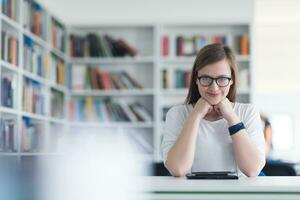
[{"x": 255, "y": 184}]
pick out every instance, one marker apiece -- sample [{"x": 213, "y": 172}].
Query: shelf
[
  {"x": 10, "y": 21},
  {"x": 116, "y": 60},
  {"x": 39, "y": 154},
  {"x": 35, "y": 77},
  {"x": 112, "y": 124},
  {"x": 58, "y": 87},
  {"x": 58, "y": 53},
  {"x": 36, "y": 39},
  {"x": 9, "y": 66},
  {"x": 135, "y": 92},
  {"x": 57, "y": 120},
  {"x": 241, "y": 58},
  {"x": 9, "y": 154},
  {"x": 12, "y": 111},
  {"x": 35, "y": 116}
]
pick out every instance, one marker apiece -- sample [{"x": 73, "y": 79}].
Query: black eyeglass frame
[{"x": 214, "y": 79}]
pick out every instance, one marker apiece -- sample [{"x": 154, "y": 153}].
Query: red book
[
  {"x": 165, "y": 46},
  {"x": 37, "y": 23},
  {"x": 107, "y": 82}
]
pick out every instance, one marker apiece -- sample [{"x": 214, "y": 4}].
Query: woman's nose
[{"x": 214, "y": 86}]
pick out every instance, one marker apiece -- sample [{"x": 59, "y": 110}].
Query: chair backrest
[
  {"x": 160, "y": 170},
  {"x": 279, "y": 169},
  {"x": 262, "y": 174}
]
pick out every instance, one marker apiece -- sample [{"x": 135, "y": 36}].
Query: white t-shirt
[{"x": 214, "y": 151}]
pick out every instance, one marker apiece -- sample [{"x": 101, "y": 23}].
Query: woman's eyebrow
[{"x": 223, "y": 75}]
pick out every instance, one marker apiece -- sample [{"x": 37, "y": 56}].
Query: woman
[
  {"x": 267, "y": 128},
  {"x": 212, "y": 132}
]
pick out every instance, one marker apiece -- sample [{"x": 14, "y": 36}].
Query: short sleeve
[
  {"x": 174, "y": 123},
  {"x": 254, "y": 128}
]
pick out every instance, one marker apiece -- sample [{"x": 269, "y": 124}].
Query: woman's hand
[
  {"x": 225, "y": 109},
  {"x": 202, "y": 107}
]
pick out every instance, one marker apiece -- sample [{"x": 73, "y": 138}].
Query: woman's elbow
[
  {"x": 175, "y": 171},
  {"x": 255, "y": 171}
]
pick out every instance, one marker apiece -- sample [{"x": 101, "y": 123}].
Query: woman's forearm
[
  {"x": 181, "y": 156},
  {"x": 246, "y": 154}
]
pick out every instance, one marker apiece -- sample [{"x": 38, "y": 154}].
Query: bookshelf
[
  {"x": 116, "y": 86},
  {"x": 160, "y": 68},
  {"x": 33, "y": 72},
  {"x": 124, "y": 86}
]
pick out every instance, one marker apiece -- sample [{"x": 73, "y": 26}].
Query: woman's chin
[{"x": 214, "y": 101}]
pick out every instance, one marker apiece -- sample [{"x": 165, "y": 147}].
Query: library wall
[
  {"x": 155, "y": 11},
  {"x": 275, "y": 40}
]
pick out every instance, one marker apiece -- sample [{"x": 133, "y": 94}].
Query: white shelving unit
[
  {"x": 141, "y": 67},
  {"x": 17, "y": 111},
  {"x": 153, "y": 60},
  {"x": 146, "y": 67}
]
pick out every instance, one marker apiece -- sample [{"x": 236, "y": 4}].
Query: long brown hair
[{"x": 209, "y": 54}]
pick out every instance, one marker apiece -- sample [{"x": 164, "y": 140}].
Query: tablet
[{"x": 212, "y": 175}]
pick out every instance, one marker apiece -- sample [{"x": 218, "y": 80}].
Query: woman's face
[{"x": 213, "y": 93}]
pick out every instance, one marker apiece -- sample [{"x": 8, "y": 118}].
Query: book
[
  {"x": 33, "y": 97},
  {"x": 57, "y": 70},
  {"x": 9, "y": 8},
  {"x": 8, "y": 135},
  {"x": 244, "y": 45},
  {"x": 107, "y": 110},
  {"x": 57, "y": 104},
  {"x": 8, "y": 89},
  {"x": 58, "y": 35},
  {"x": 95, "y": 45},
  {"x": 165, "y": 46},
  {"x": 35, "y": 58},
  {"x": 77, "y": 77},
  {"x": 32, "y": 139},
  {"x": 9, "y": 47}
]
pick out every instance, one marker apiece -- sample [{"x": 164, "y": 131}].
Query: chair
[
  {"x": 262, "y": 174},
  {"x": 160, "y": 170},
  {"x": 279, "y": 168}
]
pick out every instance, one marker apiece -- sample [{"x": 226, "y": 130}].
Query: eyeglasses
[{"x": 222, "y": 81}]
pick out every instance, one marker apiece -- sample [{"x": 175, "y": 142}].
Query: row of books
[
  {"x": 58, "y": 35},
  {"x": 35, "y": 58},
  {"x": 182, "y": 78},
  {"x": 57, "y": 70},
  {"x": 8, "y": 135},
  {"x": 9, "y": 47},
  {"x": 93, "y": 78},
  {"x": 190, "y": 45},
  {"x": 31, "y": 139},
  {"x": 34, "y": 18},
  {"x": 33, "y": 97},
  {"x": 57, "y": 104},
  {"x": 93, "y": 45},
  {"x": 107, "y": 110},
  {"x": 8, "y": 89},
  {"x": 9, "y": 8}
]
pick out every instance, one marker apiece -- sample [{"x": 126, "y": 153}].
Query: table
[{"x": 262, "y": 188}]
